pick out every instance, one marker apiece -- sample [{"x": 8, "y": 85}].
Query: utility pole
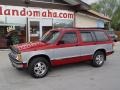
[{"x": 27, "y": 2}]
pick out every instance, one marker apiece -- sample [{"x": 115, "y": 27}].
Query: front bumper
[{"x": 16, "y": 63}]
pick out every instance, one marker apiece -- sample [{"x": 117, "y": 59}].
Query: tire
[
  {"x": 39, "y": 67},
  {"x": 98, "y": 59},
  {"x": 19, "y": 69}
]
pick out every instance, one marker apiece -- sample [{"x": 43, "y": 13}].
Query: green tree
[
  {"x": 109, "y": 8},
  {"x": 116, "y": 19}
]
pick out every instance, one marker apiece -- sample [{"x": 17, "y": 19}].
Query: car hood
[{"x": 30, "y": 46}]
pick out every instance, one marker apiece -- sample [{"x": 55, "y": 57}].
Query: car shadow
[
  {"x": 69, "y": 68},
  {"x": 57, "y": 71}
]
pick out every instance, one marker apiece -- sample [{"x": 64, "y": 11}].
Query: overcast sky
[{"x": 89, "y": 1}]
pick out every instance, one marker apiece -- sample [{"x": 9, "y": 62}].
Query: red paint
[
  {"x": 26, "y": 47},
  {"x": 70, "y": 60},
  {"x": 24, "y": 65},
  {"x": 73, "y": 59}
]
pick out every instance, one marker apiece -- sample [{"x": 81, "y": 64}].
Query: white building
[{"x": 31, "y": 19}]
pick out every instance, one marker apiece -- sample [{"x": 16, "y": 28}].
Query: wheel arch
[
  {"x": 102, "y": 50},
  {"x": 41, "y": 55}
]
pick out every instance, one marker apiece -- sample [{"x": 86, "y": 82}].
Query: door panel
[
  {"x": 66, "y": 52},
  {"x": 69, "y": 48}
]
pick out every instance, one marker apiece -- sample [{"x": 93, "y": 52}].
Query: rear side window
[
  {"x": 86, "y": 37},
  {"x": 101, "y": 36},
  {"x": 69, "y": 38}
]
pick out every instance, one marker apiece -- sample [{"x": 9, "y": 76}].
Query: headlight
[{"x": 19, "y": 57}]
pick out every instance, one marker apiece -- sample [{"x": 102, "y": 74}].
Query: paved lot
[{"x": 70, "y": 77}]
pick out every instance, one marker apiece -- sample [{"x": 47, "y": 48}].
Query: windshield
[{"x": 50, "y": 37}]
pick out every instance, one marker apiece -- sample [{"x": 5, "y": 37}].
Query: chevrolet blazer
[{"x": 62, "y": 46}]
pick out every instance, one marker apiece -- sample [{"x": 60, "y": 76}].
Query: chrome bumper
[{"x": 17, "y": 63}]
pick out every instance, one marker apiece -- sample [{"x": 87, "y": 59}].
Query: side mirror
[{"x": 60, "y": 42}]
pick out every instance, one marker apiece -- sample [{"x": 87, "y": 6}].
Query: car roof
[{"x": 79, "y": 29}]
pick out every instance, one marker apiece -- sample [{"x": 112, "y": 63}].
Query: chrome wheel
[
  {"x": 40, "y": 68},
  {"x": 99, "y": 59}
]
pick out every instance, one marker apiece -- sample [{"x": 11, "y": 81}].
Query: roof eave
[{"x": 78, "y": 4}]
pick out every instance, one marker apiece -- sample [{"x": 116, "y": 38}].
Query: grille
[{"x": 14, "y": 50}]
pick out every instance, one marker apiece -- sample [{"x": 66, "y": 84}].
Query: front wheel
[
  {"x": 98, "y": 59},
  {"x": 39, "y": 67}
]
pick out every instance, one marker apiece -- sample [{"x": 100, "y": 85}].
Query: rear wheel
[
  {"x": 39, "y": 67},
  {"x": 98, "y": 59}
]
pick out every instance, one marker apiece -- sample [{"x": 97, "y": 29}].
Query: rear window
[
  {"x": 101, "y": 36},
  {"x": 86, "y": 37},
  {"x": 110, "y": 32}
]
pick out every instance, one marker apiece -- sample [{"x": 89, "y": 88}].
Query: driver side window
[{"x": 69, "y": 38}]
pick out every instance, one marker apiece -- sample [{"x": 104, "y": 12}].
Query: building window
[
  {"x": 2, "y": 19},
  {"x": 100, "y": 23},
  {"x": 34, "y": 28},
  {"x": 16, "y": 20},
  {"x": 60, "y": 23}
]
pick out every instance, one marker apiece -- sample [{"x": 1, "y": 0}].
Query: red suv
[{"x": 62, "y": 46}]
